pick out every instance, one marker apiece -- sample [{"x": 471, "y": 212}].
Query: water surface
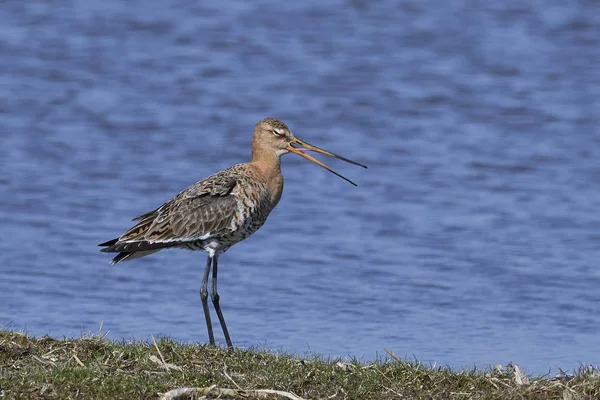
[{"x": 472, "y": 239}]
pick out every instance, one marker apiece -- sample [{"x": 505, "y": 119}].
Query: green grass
[{"x": 92, "y": 367}]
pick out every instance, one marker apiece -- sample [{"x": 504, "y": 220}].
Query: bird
[{"x": 221, "y": 210}]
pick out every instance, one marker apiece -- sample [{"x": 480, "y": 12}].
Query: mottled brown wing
[
  {"x": 192, "y": 218},
  {"x": 203, "y": 210}
]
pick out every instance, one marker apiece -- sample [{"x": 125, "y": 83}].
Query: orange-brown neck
[{"x": 267, "y": 165}]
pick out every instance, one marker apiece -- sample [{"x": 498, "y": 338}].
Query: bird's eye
[{"x": 277, "y": 133}]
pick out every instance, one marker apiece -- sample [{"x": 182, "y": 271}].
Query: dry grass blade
[
  {"x": 78, "y": 361},
  {"x": 190, "y": 393},
  {"x": 165, "y": 365},
  {"x": 157, "y": 349},
  {"x": 162, "y": 361},
  {"x": 395, "y": 357},
  {"x": 230, "y": 378}
]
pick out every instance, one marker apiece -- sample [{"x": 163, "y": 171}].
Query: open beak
[{"x": 306, "y": 147}]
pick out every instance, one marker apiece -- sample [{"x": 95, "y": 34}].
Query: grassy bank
[{"x": 94, "y": 368}]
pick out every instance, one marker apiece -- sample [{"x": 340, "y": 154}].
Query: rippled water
[{"x": 473, "y": 239}]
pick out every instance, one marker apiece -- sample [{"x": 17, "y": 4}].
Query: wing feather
[{"x": 203, "y": 210}]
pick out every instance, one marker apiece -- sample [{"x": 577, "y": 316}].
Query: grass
[{"x": 92, "y": 367}]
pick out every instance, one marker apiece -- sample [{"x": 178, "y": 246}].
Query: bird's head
[{"x": 272, "y": 135}]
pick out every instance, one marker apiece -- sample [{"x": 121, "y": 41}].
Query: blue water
[{"x": 472, "y": 239}]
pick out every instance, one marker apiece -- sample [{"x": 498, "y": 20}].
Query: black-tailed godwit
[{"x": 221, "y": 210}]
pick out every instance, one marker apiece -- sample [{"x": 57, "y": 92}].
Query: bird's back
[{"x": 212, "y": 215}]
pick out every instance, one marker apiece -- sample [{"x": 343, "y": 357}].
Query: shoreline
[{"x": 93, "y": 367}]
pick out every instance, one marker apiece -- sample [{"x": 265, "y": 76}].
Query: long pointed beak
[{"x": 306, "y": 146}]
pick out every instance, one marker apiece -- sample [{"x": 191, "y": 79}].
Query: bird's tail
[
  {"x": 131, "y": 255},
  {"x": 130, "y": 250}
]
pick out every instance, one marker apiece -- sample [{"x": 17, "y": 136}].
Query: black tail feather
[
  {"x": 132, "y": 247},
  {"x": 119, "y": 257},
  {"x": 110, "y": 242}
]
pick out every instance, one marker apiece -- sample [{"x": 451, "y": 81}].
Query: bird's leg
[
  {"x": 214, "y": 295},
  {"x": 204, "y": 298}
]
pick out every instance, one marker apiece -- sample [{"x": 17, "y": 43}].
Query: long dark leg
[
  {"x": 204, "y": 298},
  {"x": 214, "y": 295}
]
